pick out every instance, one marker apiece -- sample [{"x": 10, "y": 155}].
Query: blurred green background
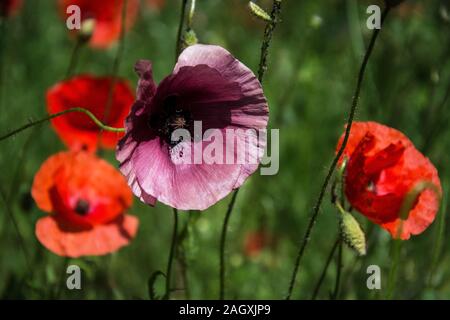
[{"x": 313, "y": 64}]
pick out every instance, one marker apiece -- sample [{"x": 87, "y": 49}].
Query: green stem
[
  {"x": 392, "y": 278},
  {"x": 180, "y": 29},
  {"x": 268, "y": 34},
  {"x": 3, "y": 34},
  {"x": 171, "y": 254},
  {"x": 116, "y": 62},
  {"x": 408, "y": 203},
  {"x": 191, "y": 15},
  {"x": 267, "y": 40},
  {"x": 74, "y": 58},
  {"x": 338, "y": 272},
  {"x": 333, "y": 165},
  {"x": 438, "y": 240},
  {"x": 222, "y": 244},
  {"x": 115, "y": 68},
  {"x": 55, "y": 115},
  {"x": 325, "y": 268},
  {"x": 61, "y": 282}
]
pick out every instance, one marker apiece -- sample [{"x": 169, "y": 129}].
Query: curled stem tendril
[{"x": 58, "y": 114}]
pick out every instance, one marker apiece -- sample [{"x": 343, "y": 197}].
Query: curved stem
[
  {"x": 351, "y": 116},
  {"x": 55, "y": 115},
  {"x": 171, "y": 254},
  {"x": 268, "y": 34},
  {"x": 325, "y": 269},
  {"x": 180, "y": 29},
  {"x": 222, "y": 244}
]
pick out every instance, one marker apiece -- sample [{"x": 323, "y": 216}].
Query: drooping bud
[
  {"x": 351, "y": 232},
  {"x": 86, "y": 30},
  {"x": 259, "y": 12}
]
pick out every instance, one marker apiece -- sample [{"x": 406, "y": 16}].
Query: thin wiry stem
[
  {"x": 115, "y": 67},
  {"x": 74, "y": 58},
  {"x": 180, "y": 29},
  {"x": 338, "y": 272},
  {"x": 171, "y": 254},
  {"x": 222, "y": 244},
  {"x": 325, "y": 269},
  {"x": 55, "y": 115},
  {"x": 61, "y": 282},
  {"x": 351, "y": 116},
  {"x": 268, "y": 34}
]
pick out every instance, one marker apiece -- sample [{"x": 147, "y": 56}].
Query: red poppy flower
[
  {"x": 87, "y": 199},
  {"x": 383, "y": 166},
  {"x": 9, "y": 7},
  {"x": 76, "y": 129},
  {"x": 107, "y": 15}
]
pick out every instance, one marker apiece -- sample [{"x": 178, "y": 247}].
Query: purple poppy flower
[{"x": 208, "y": 86}]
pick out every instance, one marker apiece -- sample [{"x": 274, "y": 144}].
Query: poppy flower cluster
[
  {"x": 107, "y": 16},
  {"x": 86, "y": 197},
  {"x": 87, "y": 200},
  {"x": 383, "y": 168}
]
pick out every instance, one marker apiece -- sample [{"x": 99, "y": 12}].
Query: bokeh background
[{"x": 314, "y": 60}]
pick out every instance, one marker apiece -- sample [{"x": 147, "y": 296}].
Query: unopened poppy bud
[
  {"x": 86, "y": 30},
  {"x": 351, "y": 232},
  {"x": 189, "y": 38},
  {"x": 259, "y": 12},
  {"x": 392, "y": 3}
]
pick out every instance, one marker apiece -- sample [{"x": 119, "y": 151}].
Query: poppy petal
[
  {"x": 68, "y": 241},
  {"x": 43, "y": 181}
]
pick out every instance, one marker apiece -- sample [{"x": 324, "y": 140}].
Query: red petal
[
  {"x": 77, "y": 130},
  {"x": 67, "y": 241}
]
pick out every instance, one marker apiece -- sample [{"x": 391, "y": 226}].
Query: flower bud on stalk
[
  {"x": 86, "y": 30},
  {"x": 351, "y": 232}
]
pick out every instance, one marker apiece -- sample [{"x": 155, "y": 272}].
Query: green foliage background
[{"x": 314, "y": 60}]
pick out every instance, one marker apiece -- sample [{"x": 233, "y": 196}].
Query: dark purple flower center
[
  {"x": 82, "y": 207},
  {"x": 173, "y": 116}
]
